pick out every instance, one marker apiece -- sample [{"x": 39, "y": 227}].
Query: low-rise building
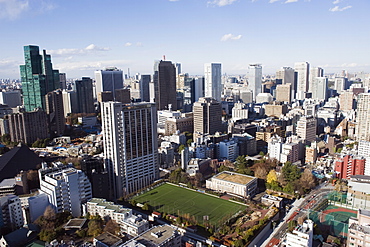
[
  {"x": 158, "y": 236},
  {"x": 358, "y": 194},
  {"x": 359, "y": 229},
  {"x": 272, "y": 200},
  {"x": 129, "y": 223},
  {"x": 301, "y": 236},
  {"x": 233, "y": 183}
]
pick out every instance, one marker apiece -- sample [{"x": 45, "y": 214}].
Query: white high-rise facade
[
  {"x": 302, "y": 68},
  {"x": 314, "y": 72},
  {"x": 130, "y": 146},
  {"x": 363, "y": 117},
  {"x": 212, "y": 81},
  {"x": 255, "y": 79},
  {"x": 319, "y": 88},
  {"x": 306, "y": 128}
]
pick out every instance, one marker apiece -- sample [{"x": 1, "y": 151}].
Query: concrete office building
[
  {"x": 84, "y": 94},
  {"x": 55, "y": 112},
  {"x": 319, "y": 88},
  {"x": 283, "y": 93},
  {"x": 11, "y": 98},
  {"x": 27, "y": 127},
  {"x": 314, "y": 72},
  {"x": 302, "y": 69},
  {"x": 306, "y": 128},
  {"x": 109, "y": 79},
  {"x": 212, "y": 81},
  {"x": 130, "y": 146},
  {"x": 359, "y": 229},
  {"x": 164, "y": 79},
  {"x": 255, "y": 79},
  {"x": 144, "y": 88},
  {"x": 363, "y": 117},
  {"x": 207, "y": 116}
]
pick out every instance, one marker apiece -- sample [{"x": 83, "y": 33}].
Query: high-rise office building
[
  {"x": 63, "y": 81},
  {"x": 130, "y": 146},
  {"x": 212, "y": 81},
  {"x": 38, "y": 77},
  {"x": 144, "y": 88},
  {"x": 283, "y": 93},
  {"x": 109, "y": 79},
  {"x": 341, "y": 84},
  {"x": 198, "y": 88},
  {"x": 302, "y": 69},
  {"x": 363, "y": 117},
  {"x": 70, "y": 104},
  {"x": 84, "y": 93},
  {"x": 306, "y": 128},
  {"x": 55, "y": 112},
  {"x": 11, "y": 98},
  {"x": 27, "y": 127},
  {"x": 164, "y": 79},
  {"x": 319, "y": 88},
  {"x": 255, "y": 79},
  {"x": 314, "y": 72},
  {"x": 207, "y": 114},
  {"x": 286, "y": 75}
]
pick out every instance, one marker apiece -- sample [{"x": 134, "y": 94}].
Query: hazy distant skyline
[{"x": 86, "y": 35}]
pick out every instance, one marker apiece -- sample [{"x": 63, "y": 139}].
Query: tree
[
  {"x": 94, "y": 228},
  {"x": 289, "y": 188},
  {"x": 307, "y": 180},
  {"x": 260, "y": 172},
  {"x": 112, "y": 227},
  {"x": 241, "y": 162},
  {"x": 271, "y": 177},
  {"x": 147, "y": 207},
  {"x": 290, "y": 172}
]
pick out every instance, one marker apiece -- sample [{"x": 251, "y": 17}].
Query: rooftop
[
  {"x": 234, "y": 177},
  {"x": 108, "y": 205},
  {"x": 75, "y": 224},
  {"x": 8, "y": 182},
  {"x": 153, "y": 237},
  {"x": 108, "y": 239}
]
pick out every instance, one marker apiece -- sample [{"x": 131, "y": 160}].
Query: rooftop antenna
[{"x": 164, "y": 57}]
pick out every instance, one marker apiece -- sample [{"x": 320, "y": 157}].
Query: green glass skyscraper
[{"x": 38, "y": 78}]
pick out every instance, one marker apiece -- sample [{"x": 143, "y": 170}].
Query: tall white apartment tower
[
  {"x": 130, "y": 146},
  {"x": 109, "y": 79},
  {"x": 314, "y": 72},
  {"x": 363, "y": 117},
  {"x": 212, "y": 81},
  {"x": 302, "y": 68},
  {"x": 319, "y": 88},
  {"x": 255, "y": 79}
]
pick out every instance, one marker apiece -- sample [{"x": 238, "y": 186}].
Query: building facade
[
  {"x": 233, "y": 183},
  {"x": 164, "y": 79},
  {"x": 207, "y": 116},
  {"x": 302, "y": 69},
  {"x": 55, "y": 112},
  {"x": 255, "y": 79},
  {"x": 363, "y": 117},
  {"x": 212, "y": 81},
  {"x": 359, "y": 229},
  {"x": 109, "y": 79},
  {"x": 67, "y": 188},
  {"x": 38, "y": 77},
  {"x": 130, "y": 146}
]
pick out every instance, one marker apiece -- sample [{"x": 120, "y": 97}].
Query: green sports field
[{"x": 171, "y": 199}]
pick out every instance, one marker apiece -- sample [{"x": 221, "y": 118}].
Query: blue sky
[{"x": 86, "y": 35}]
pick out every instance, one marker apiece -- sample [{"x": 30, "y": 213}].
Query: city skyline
[{"x": 85, "y": 36}]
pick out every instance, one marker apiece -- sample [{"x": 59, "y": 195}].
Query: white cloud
[
  {"x": 336, "y": 8},
  {"x": 291, "y": 1},
  {"x": 139, "y": 44},
  {"x": 13, "y": 9},
  {"x": 336, "y": 1},
  {"x": 221, "y": 3},
  {"x": 229, "y": 36},
  {"x": 128, "y": 44},
  {"x": 89, "y": 65},
  {"x": 73, "y": 51},
  {"x": 273, "y": 1}
]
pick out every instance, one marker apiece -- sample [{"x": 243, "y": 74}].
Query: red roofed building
[{"x": 349, "y": 165}]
